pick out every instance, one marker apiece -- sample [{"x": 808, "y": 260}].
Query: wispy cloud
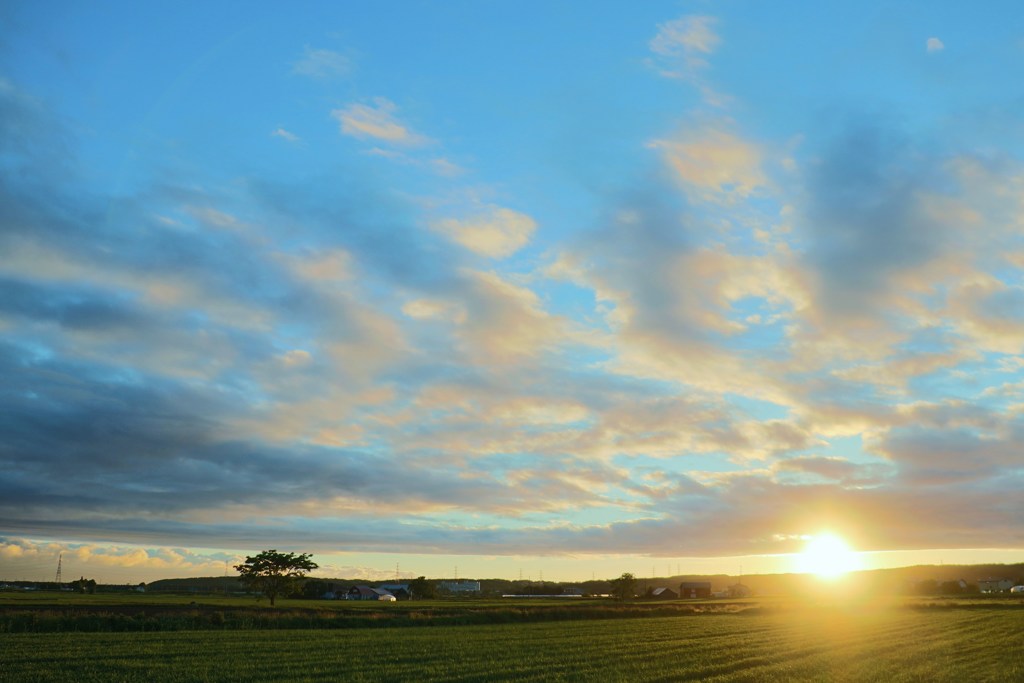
[
  {"x": 687, "y": 37},
  {"x": 934, "y": 45},
  {"x": 437, "y": 165},
  {"x": 322, "y": 63},
  {"x": 285, "y": 135},
  {"x": 713, "y": 163},
  {"x": 682, "y": 47},
  {"x": 495, "y": 232},
  {"x": 376, "y": 121}
]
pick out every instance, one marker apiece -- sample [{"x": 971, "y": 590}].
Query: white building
[
  {"x": 460, "y": 586},
  {"x": 994, "y": 585}
]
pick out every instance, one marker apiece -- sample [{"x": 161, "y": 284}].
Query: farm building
[
  {"x": 399, "y": 590},
  {"x": 695, "y": 589},
  {"x": 994, "y": 585},
  {"x": 664, "y": 594},
  {"x": 367, "y": 593}
]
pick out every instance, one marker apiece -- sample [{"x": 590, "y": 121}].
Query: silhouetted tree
[
  {"x": 624, "y": 587},
  {"x": 84, "y": 585},
  {"x": 422, "y": 589},
  {"x": 273, "y": 573}
]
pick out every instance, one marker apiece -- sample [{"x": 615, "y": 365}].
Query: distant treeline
[
  {"x": 922, "y": 579},
  {"x": 202, "y": 584}
]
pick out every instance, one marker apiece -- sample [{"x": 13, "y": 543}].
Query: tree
[
  {"x": 422, "y": 589},
  {"x": 624, "y": 587},
  {"x": 84, "y": 585},
  {"x": 273, "y": 573}
]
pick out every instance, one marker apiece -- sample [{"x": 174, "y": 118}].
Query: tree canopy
[
  {"x": 624, "y": 587},
  {"x": 421, "y": 588},
  {"x": 273, "y": 573},
  {"x": 84, "y": 585}
]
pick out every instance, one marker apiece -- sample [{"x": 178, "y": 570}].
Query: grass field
[{"x": 819, "y": 644}]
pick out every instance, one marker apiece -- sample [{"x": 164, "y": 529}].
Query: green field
[{"x": 979, "y": 643}]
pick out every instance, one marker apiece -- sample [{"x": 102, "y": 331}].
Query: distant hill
[
  {"x": 898, "y": 580},
  {"x": 891, "y": 581},
  {"x": 202, "y": 584}
]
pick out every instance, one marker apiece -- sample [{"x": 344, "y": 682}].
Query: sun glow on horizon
[{"x": 827, "y": 556}]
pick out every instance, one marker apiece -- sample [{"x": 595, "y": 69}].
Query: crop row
[{"x": 833, "y": 645}]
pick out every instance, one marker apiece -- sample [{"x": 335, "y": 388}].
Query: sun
[{"x": 828, "y": 556}]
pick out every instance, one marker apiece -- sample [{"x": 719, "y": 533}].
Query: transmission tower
[{"x": 60, "y": 558}]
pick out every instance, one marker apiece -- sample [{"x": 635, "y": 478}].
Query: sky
[{"x": 498, "y": 289}]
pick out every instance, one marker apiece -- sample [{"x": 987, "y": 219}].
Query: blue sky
[{"x": 595, "y": 287}]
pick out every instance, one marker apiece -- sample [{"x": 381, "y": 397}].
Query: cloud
[
  {"x": 496, "y": 232},
  {"x": 321, "y": 63},
  {"x": 686, "y": 37},
  {"x": 681, "y": 48},
  {"x": 376, "y": 121},
  {"x": 835, "y": 469},
  {"x": 934, "y": 45},
  {"x": 427, "y": 309},
  {"x": 713, "y": 163},
  {"x": 126, "y": 563},
  {"x": 285, "y": 135},
  {"x": 437, "y": 165},
  {"x": 670, "y": 301},
  {"x": 171, "y": 453},
  {"x": 445, "y": 167},
  {"x": 505, "y": 322},
  {"x": 953, "y": 442},
  {"x": 904, "y": 257},
  {"x": 987, "y": 311},
  {"x": 225, "y": 363},
  {"x": 327, "y": 265},
  {"x": 867, "y": 220}
]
